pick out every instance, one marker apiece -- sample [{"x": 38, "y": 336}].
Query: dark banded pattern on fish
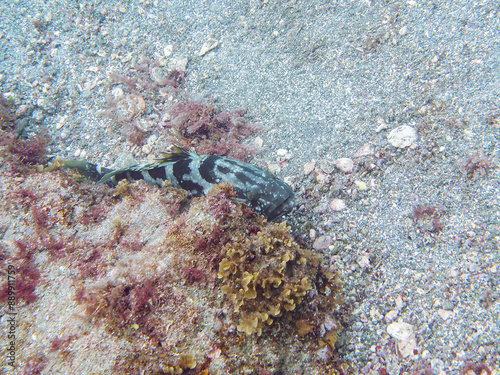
[{"x": 199, "y": 173}]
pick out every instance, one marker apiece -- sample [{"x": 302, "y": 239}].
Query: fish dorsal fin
[{"x": 179, "y": 153}]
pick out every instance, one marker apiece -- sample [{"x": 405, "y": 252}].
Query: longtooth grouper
[{"x": 198, "y": 174}]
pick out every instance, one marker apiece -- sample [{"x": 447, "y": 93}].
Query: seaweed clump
[
  {"x": 268, "y": 277},
  {"x": 264, "y": 275},
  {"x": 19, "y": 151},
  {"x": 211, "y": 131}
]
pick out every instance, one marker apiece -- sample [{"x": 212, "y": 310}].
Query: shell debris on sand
[
  {"x": 346, "y": 165},
  {"x": 209, "y": 45},
  {"x": 402, "y": 136}
]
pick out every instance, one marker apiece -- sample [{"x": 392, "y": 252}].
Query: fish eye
[{"x": 252, "y": 194}]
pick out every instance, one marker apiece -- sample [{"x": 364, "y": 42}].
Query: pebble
[
  {"x": 375, "y": 314},
  {"x": 403, "y": 136},
  {"x": 382, "y": 125},
  {"x": 326, "y": 166},
  {"x": 445, "y": 314},
  {"x": 259, "y": 141},
  {"x": 447, "y": 305},
  {"x": 391, "y": 315},
  {"x": 346, "y": 165},
  {"x": 309, "y": 167},
  {"x": 209, "y": 45},
  {"x": 146, "y": 149},
  {"x": 22, "y": 110},
  {"x": 337, "y": 204},
  {"x": 323, "y": 242},
  {"x": 361, "y": 185},
  {"x": 437, "y": 365},
  {"x": 167, "y": 51},
  {"x": 38, "y": 116},
  {"x": 399, "y": 302},
  {"x": 399, "y": 330},
  {"x": 365, "y": 150},
  {"x": 61, "y": 122},
  {"x": 284, "y": 153},
  {"x": 179, "y": 63},
  {"x": 358, "y": 326},
  {"x": 117, "y": 92}
]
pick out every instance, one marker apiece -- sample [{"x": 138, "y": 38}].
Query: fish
[{"x": 198, "y": 174}]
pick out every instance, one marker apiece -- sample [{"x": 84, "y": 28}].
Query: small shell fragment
[
  {"x": 209, "y": 45},
  {"x": 361, "y": 185},
  {"x": 403, "y": 136},
  {"x": 337, "y": 204},
  {"x": 309, "y": 167},
  {"x": 167, "y": 51},
  {"x": 346, "y": 165}
]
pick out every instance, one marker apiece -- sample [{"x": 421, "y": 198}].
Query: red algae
[
  {"x": 210, "y": 131},
  {"x": 141, "y": 267}
]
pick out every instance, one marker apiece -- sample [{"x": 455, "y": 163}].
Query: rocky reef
[{"x": 140, "y": 279}]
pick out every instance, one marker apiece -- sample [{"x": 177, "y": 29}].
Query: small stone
[
  {"x": 437, "y": 365},
  {"x": 158, "y": 74},
  {"x": 360, "y": 185},
  {"x": 281, "y": 152},
  {"x": 326, "y": 166},
  {"x": 399, "y": 302},
  {"x": 117, "y": 92},
  {"x": 447, "y": 305},
  {"x": 11, "y": 98},
  {"x": 391, "y": 315},
  {"x": 364, "y": 260},
  {"x": 357, "y": 326},
  {"x": 445, "y": 314},
  {"x": 309, "y": 167},
  {"x": 365, "y": 150},
  {"x": 259, "y": 141},
  {"x": 77, "y": 153},
  {"x": 273, "y": 168},
  {"x": 167, "y": 51},
  {"x": 38, "y": 115},
  {"x": 152, "y": 139},
  {"x": 61, "y": 122},
  {"x": 322, "y": 178},
  {"x": 403, "y": 136},
  {"x": 179, "y": 63},
  {"x": 22, "y": 110},
  {"x": 403, "y": 31},
  {"x": 323, "y": 242},
  {"x": 375, "y": 314},
  {"x": 312, "y": 234},
  {"x": 209, "y": 45},
  {"x": 337, "y": 204},
  {"x": 400, "y": 331},
  {"x": 382, "y": 125},
  {"x": 407, "y": 347},
  {"x": 346, "y": 165}
]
